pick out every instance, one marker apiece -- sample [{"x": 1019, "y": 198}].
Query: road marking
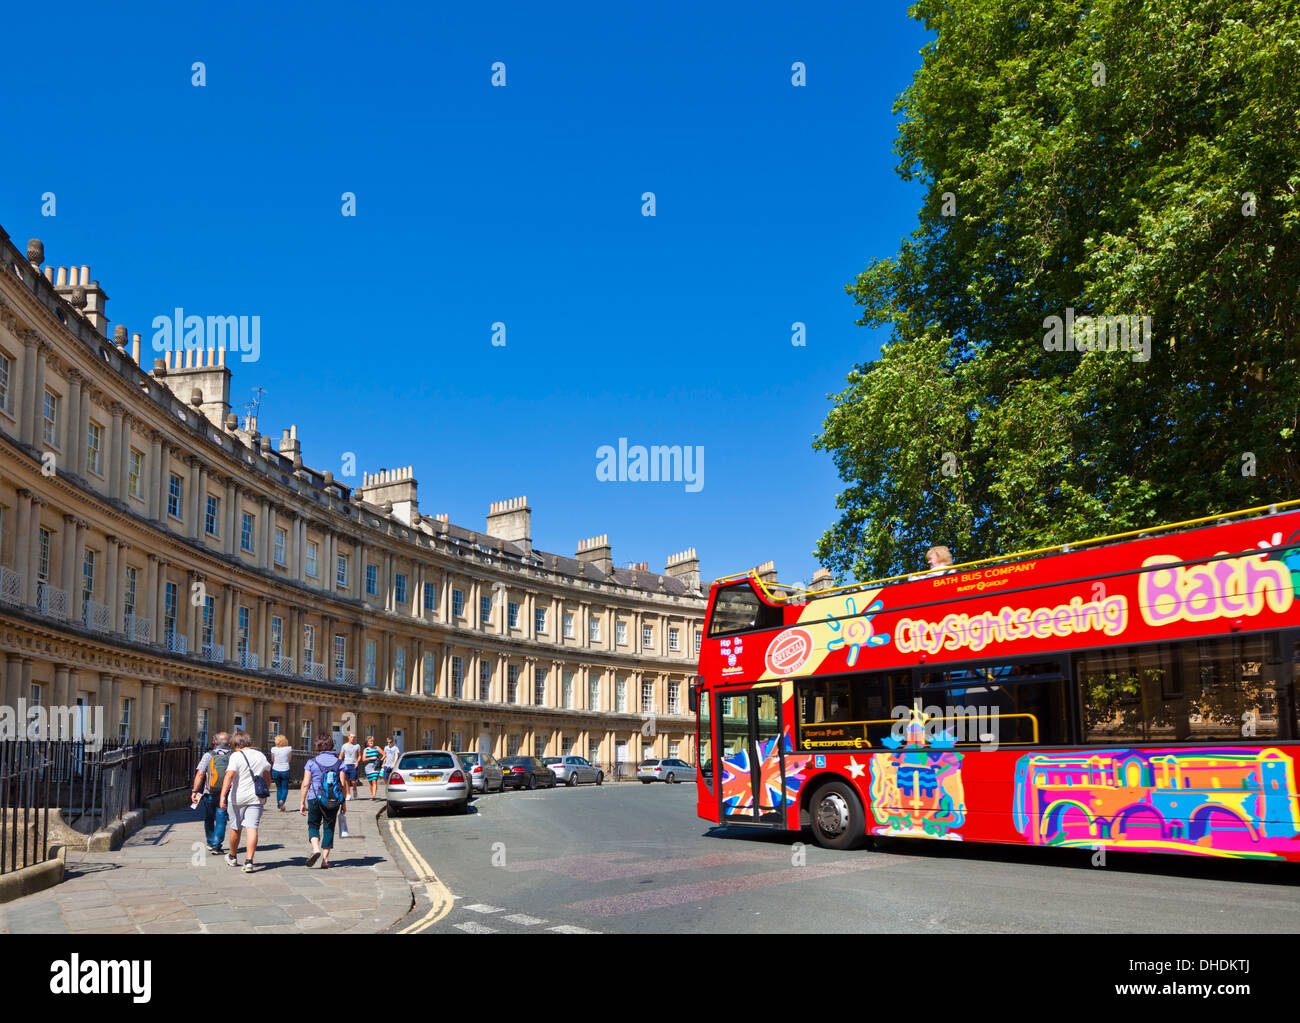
[
  {"x": 440, "y": 897},
  {"x": 639, "y": 902},
  {"x": 611, "y": 866},
  {"x": 523, "y": 918},
  {"x": 470, "y": 927},
  {"x": 569, "y": 929},
  {"x": 478, "y": 907}
]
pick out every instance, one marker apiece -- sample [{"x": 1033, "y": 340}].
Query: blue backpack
[{"x": 331, "y": 788}]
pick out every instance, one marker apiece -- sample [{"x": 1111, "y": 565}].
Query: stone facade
[{"x": 161, "y": 561}]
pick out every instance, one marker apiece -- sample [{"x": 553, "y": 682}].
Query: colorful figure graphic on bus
[
  {"x": 779, "y": 783},
  {"x": 856, "y": 629},
  {"x": 1232, "y": 802},
  {"x": 916, "y": 789}
]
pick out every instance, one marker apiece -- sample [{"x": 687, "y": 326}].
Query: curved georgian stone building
[{"x": 187, "y": 576}]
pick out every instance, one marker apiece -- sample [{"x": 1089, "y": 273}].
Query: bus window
[
  {"x": 1195, "y": 691},
  {"x": 738, "y": 608},
  {"x": 852, "y": 711},
  {"x": 1010, "y": 704}
]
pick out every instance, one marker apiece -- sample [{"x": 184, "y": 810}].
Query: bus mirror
[{"x": 693, "y": 696}]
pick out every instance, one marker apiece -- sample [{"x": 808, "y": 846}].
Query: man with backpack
[
  {"x": 208, "y": 779},
  {"x": 322, "y": 799}
]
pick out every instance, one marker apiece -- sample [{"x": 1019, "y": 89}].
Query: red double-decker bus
[{"x": 1134, "y": 692}]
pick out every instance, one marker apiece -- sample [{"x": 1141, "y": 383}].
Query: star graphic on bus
[
  {"x": 857, "y": 632},
  {"x": 856, "y": 769}
]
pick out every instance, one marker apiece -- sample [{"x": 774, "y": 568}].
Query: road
[{"x": 634, "y": 859}]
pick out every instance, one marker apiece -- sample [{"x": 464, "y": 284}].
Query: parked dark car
[{"x": 527, "y": 773}]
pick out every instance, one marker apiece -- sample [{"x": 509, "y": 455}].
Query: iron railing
[
  {"x": 96, "y": 617},
  {"x": 24, "y": 805},
  {"x": 137, "y": 629},
  {"x": 50, "y": 602},
  {"x": 11, "y": 586}
]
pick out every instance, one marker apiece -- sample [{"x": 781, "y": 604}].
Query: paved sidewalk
[{"x": 164, "y": 881}]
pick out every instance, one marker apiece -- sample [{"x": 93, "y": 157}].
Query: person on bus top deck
[{"x": 940, "y": 561}]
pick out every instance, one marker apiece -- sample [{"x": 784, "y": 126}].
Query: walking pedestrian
[
  {"x": 243, "y": 798},
  {"x": 322, "y": 798},
  {"x": 208, "y": 779},
  {"x": 391, "y": 753},
  {"x": 350, "y": 751},
  {"x": 280, "y": 754},
  {"x": 373, "y": 757}
]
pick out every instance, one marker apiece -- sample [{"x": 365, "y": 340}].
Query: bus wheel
[{"x": 837, "y": 818}]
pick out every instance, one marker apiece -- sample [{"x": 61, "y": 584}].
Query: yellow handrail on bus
[
  {"x": 822, "y": 743},
  {"x": 1064, "y": 548}
]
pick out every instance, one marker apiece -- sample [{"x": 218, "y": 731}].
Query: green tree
[{"x": 1124, "y": 157}]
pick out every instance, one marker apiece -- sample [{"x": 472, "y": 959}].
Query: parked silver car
[
  {"x": 670, "y": 770},
  {"x": 486, "y": 777},
  {"x": 428, "y": 778},
  {"x": 574, "y": 770}
]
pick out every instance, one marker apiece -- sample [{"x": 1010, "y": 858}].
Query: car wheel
[
  {"x": 464, "y": 807},
  {"x": 394, "y": 810},
  {"x": 532, "y": 782},
  {"x": 573, "y": 779},
  {"x": 600, "y": 778},
  {"x": 838, "y": 821},
  {"x": 671, "y": 779},
  {"x": 645, "y": 781}
]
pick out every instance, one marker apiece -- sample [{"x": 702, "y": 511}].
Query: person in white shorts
[{"x": 239, "y": 796}]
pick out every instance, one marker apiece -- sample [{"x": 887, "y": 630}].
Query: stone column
[
  {"x": 83, "y": 429},
  {"x": 229, "y": 633},
  {"x": 124, "y": 458},
  {"x": 148, "y": 711},
  {"x": 417, "y": 670},
  {"x": 115, "y": 453},
  {"x": 262, "y": 642},
  {"x": 201, "y": 503},
  {"x": 59, "y": 691},
  {"x": 265, "y": 535},
  {"x": 153, "y": 597},
  {"x": 105, "y": 699},
  {"x": 25, "y": 529},
  {"x": 300, "y": 550},
  {"x": 193, "y": 615},
  {"x": 359, "y": 570},
  {"x": 232, "y": 518},
  {"x": 73, "y": 446},
  {"x": 154, "y": 483},
  {"x": 115, "y": 714},
  {"x": 112, "y": 587},
  {"x": 32, "y": 395},
  {"x": 79, "y": 560},
  {"x": 390, "y": 595}
]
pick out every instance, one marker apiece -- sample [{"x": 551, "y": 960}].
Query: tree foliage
[{"x": 1124, "y": 157}]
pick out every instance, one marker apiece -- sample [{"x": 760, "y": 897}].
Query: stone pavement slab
[{"x": 164, "y": 881}]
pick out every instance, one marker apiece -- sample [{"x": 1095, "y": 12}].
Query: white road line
[
  {"x": 470, "y": 927},
  {"x": 478, "y": 907},
  {"x": 523, "y": 918},
  {"x": 569, "y": 929}
]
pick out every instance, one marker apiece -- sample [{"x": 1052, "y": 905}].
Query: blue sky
[{"x": 477, "y": 205}]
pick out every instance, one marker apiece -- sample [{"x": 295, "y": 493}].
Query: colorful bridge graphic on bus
[
  {"x": 1233, "y": 802},
  {"x": 917, "y": 791}
]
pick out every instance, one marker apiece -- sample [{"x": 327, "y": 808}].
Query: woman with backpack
[
  {"x": 243, "y": 793},
  {"x": 322, "y": 798}
]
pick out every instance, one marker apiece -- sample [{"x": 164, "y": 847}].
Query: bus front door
[{"x": 751, "y": 764}]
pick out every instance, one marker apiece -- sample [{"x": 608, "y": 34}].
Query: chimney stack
[
  {"x": 821, "y": 580},
  {"x": 597, "y": 551},
  {"x": 198, "y": 370},
  {"x": 686, "y": 567},
  {"x": 511, "y": 520},
  {"x": 766, "y": 572},
  {"x": 396, "y": 486}
]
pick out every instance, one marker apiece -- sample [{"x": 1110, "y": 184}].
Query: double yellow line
[{"x": 439, "y": 895}]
